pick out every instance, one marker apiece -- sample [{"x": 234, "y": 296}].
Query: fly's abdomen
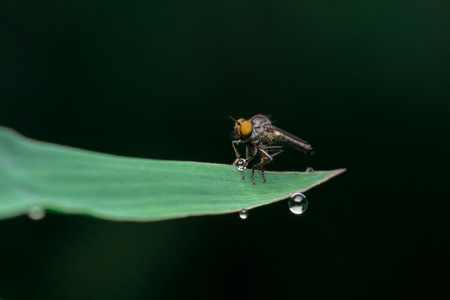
[{"x": 290, "y": 139}]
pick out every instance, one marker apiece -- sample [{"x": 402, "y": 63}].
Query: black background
[{"x": 367, "y": 84}]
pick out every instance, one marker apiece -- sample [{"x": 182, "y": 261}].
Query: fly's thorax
[
  {"x": 260, "y": 121},
  {"x": 272, "y": 136},
  {"x": 261, "y": 125}
]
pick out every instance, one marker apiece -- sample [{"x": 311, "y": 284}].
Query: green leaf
[{"x": 36, "y": 176}]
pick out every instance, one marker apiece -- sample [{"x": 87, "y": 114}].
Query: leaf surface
[{"x": 72, "y": 181}]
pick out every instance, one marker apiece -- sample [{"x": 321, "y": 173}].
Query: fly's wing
[{"x": 290, "y": 139}]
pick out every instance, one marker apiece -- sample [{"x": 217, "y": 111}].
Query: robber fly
[{"x": 259, "y": 136}]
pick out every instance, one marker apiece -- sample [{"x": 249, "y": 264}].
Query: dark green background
[{"x": 368, "y": 84}]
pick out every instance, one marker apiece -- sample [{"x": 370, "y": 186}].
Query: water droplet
[
  {"x": 309, "y": 170},
  {"x": 240, "y": 164},
  {"x": 36, "y": 213},
  {"x": 298, "y": 203},
  {"x": 243, "y": 214}
]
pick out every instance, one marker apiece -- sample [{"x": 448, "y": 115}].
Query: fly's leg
[
  {"x": 234, "y": 143},
  {"x": 249, "y": 156},
  {"x": 243, "y": 170},
  {"x": 250, "y": 152},
  {"x": 264, "y": 161},
  {"x": 280, "y": 150},
  {"x": 246, "y": 162},
  {"x": 266, "y": 158},
  {"x": 238, "y": 156},
  {"x": 262, "y": 172}
]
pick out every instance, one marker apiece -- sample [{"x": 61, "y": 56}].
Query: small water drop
[
  {"x": 309, "y": 170},
  {"x": 243, "y": 214},
  {"x": 36, "y": 213},
  {"x": 240, "y": 164},
  {"x": 298, "y": 203}
]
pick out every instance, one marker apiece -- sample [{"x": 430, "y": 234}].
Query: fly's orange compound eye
[
  {"x": 237, "y": 126},
  {"x": 239, "y": 122},
  {"x": 246, "y": 129}
]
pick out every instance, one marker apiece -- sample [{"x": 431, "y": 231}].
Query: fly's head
[{"x": 243, "y": 128}]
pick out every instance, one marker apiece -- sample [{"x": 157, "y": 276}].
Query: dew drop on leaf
[
  {"x": 240, "y": 164},
  {"x": 243, "y": 214},
  {"x": 298, "y": 203},
  {"x": 36, "y": 213}
]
